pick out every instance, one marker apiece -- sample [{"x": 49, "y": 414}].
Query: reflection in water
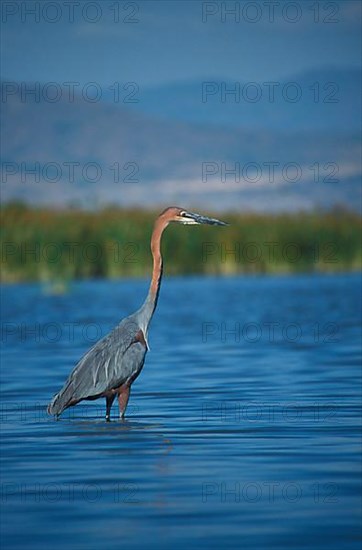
[{"x": 242, "y": 430}]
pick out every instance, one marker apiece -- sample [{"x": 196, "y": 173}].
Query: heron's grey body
[
  {"x": 114, "y": 361},
  {"x": 110, "y": 367}
]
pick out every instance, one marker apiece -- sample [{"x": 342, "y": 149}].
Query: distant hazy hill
[
  {"x": 328, "y": 99},
  {"x": 158, "y": 159}
]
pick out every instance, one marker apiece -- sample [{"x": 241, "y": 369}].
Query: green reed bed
[{"x": 48, "y": 245}]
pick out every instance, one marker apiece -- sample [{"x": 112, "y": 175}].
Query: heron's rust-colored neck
[{"x": 160, "y": 225}]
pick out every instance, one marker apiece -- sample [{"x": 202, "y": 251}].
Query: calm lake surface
[{"x": 243, "y": 429}]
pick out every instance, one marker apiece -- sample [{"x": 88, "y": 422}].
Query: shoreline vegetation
[{"x": 58, "y": 246}]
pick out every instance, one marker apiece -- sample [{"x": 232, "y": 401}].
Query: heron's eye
[{"x": 183, "y": 213}]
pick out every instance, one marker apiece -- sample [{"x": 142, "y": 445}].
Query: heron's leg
[
  {"x": 123, "y": 397},
  {"x": 109, "y": 403}
]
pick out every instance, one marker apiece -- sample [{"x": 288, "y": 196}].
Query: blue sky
[{"x": 170, "y": 41}]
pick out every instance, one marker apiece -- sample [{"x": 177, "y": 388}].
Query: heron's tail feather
[{"x": 62, "y": 400}]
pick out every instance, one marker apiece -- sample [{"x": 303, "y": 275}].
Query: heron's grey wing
[{"x": 113, "y": 360}]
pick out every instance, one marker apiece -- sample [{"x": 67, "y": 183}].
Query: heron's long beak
[{"x": 191, "y": 218}]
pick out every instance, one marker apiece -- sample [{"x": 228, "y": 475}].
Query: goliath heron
[{"x": 110, "y": 367}]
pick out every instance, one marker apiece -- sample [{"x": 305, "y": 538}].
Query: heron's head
[{"x": 180, "y": 215}]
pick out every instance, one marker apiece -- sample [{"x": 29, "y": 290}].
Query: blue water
[{"x": 243, "y": 429}]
